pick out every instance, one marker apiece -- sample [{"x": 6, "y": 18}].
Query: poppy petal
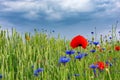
[{"x": 79, "y": 41}]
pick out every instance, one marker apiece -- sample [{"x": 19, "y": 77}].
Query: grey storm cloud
[{"x": 58, "y": 9}]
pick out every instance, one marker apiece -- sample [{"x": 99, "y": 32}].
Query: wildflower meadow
[{"x": 40, "y": 56}]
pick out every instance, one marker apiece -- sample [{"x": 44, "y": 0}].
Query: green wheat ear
[{"x": 43, "y": 51}]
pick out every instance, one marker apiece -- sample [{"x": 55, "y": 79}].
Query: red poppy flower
[
  {"x": 101, "y": 65},
  {"x": 117, "y": 48},
  {"x": 79, "y": 41}
]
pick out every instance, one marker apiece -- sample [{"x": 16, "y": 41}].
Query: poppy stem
[{"x": 80, "y": 49}]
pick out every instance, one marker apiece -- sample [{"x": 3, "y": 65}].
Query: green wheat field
[{"x": 21, "y": 55}]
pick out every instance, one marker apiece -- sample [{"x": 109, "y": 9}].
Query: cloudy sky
[{"x": 67, "y": 17}]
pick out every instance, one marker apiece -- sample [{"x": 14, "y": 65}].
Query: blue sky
[{"x": 67, "y": 17}]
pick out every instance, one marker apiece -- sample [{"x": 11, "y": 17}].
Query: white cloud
[
  {"x": 52, "y": 8},
  {"x": 57, "y": 9},
  {"x": 54, "y": 16},
  {"x": 76, "y": 5},
  {"x": 31, "y": 15},
  {"x": 110, "y": 8}
]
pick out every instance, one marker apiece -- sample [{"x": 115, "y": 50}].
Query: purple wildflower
[
  {"x": 37, "y": 71},
  {"x": 92, "y": 32},
  {"x": 79, "y": 56},
  {"x": 110, "y": 37},
  {"x": 64, "y": 59},
  {"x": 93, "y": 66},
  {"x": 0, "y": 76},
  {"x": 95, "y": 43},
  {"x": 119, "y": 32},
  {"x": 69, "y": 52},
  {"x": 93, "y": 50}
]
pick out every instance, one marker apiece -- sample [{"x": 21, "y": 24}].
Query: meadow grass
[{"x": 19, "y": 54}]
